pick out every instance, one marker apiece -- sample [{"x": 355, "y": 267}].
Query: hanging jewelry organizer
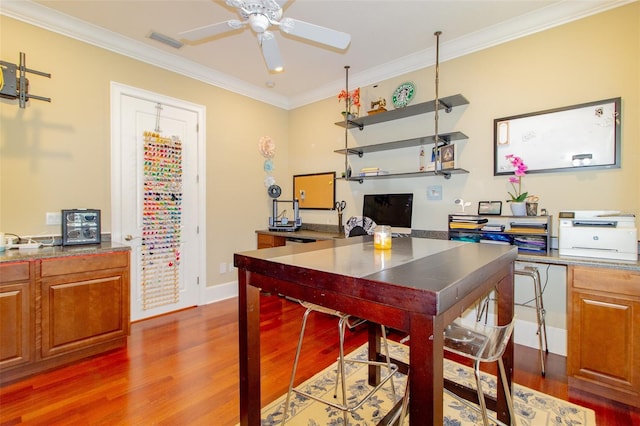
[{"x": 161, "y": 219}]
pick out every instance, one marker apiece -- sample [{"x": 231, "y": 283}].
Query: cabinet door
[
  {"x": 16, "y": 322},
  {"x": 604, "y": 332},
  {"x": 82, "y": 309}
]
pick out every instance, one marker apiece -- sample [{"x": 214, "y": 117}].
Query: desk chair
[
  {"x": 354, "y": 226},
  {"x": 359, "y": 225},
  {"x": 480, "y": 343}
]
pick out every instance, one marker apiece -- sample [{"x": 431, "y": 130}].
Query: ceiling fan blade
[
  {"x": 271, "y": 51},
  {"x": 316, "y": 33},
  {"x": 211, "y": 30}
]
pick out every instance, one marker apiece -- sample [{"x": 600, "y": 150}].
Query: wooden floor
[{"x": 182, "y": 369}]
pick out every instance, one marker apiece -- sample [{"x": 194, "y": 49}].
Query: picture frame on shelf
[
  {"x": 490, "y": 208},
  {"x": 448, "y": 156}
]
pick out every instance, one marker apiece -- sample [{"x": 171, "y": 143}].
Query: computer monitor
[{"x": 394, "y": 210}]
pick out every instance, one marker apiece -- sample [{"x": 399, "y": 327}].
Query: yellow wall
[
  {"x": 56, "y": 156},
  {"x": 588, "y": 60}
]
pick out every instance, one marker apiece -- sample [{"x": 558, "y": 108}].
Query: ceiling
[{"x": 388, "y": 37}]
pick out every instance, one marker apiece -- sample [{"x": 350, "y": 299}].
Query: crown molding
[
  {"x": 540, "y": 20},
  {"x": 54, "y": 21}
]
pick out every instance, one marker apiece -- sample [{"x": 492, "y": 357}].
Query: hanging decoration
[
  {"x": 161, "y": 220},
  {"x": 267, "y": 148}
]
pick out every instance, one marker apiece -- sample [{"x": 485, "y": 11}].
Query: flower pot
[{"x": 518, "y": 209}]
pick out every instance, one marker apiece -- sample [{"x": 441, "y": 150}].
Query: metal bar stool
[
  {"x": 341, "y": 379},
  {"x": 480, "y": 343},
  {"x": 533, "y": 273}
]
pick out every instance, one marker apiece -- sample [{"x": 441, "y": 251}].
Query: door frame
[{"x": 118, "y": 90}]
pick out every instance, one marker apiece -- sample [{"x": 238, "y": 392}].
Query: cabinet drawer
[
  {"x": 609, "y": 280},
  {"x": 10, "y": 272},
  {"x": 76, "y": 264}
]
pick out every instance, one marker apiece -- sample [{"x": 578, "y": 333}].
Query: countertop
[
  {"x": 553, "y": 257},
  {"x": 14, "y": 255}
]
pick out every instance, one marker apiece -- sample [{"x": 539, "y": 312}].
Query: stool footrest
[{"x": 362, "y": 400}]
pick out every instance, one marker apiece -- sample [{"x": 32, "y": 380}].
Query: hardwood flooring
[{"x": 182, "y": 369}]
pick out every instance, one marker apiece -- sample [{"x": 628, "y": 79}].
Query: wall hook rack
[{"x": 16, "y": 86}]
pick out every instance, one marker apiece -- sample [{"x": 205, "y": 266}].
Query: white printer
[{"x": 606, "y": 234}]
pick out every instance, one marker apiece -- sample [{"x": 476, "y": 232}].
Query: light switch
[{"x": 434, "y": 192}]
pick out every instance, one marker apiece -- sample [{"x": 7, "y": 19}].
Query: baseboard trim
[{"x": 216, "y": 293}]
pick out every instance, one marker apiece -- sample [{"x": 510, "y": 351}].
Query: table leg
[
  {"x": 425, "y": 370},
  {"x": 505, "y": 315},
  {"x": 249, "y": 345}
]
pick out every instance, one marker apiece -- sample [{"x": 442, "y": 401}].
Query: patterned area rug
[{"x": 532, "y": 408}]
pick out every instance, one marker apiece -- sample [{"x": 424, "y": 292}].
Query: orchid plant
[
  {"x": 519, "y": 171},
  {"x": 352, "y": 99}
]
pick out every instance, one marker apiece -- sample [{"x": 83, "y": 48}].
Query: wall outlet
[
  {"x": 223, "y": 268},
  {"x": 53, "y": 218}
]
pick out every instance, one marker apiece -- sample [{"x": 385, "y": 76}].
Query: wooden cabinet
[
  {"x": 54, "y": 311},
  {"x": 268, "y": 241},
  {"x": 604, "y": 332},
  {"x": 84, "y": 302},
  {"x": 16, "y": 316}
]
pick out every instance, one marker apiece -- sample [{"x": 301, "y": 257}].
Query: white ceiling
[{"x": 388, "y": 37}]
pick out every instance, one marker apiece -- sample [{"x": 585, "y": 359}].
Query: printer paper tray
[{"x": 607, "y": 243}]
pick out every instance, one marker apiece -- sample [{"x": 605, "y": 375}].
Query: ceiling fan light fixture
[{"x": 259, "y": 23}]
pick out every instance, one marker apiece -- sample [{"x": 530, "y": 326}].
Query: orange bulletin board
[{"x": 315, "y": 191}]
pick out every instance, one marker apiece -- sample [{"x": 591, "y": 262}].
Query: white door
[{"x": 157, "y": 202}]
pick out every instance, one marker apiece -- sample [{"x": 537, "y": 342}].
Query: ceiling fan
[{"x": 261, "y": 15}]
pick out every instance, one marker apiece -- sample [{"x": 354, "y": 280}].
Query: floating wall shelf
[
  {"x": 446, "y": 104},
  {"x": 446, "y": 173},
  {"x": 445, "y": 138}
]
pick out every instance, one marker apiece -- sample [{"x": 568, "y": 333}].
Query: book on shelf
[
  {"x": 493, "y": 227},
  {"x": 378, "y": 173},
  {"x": 464, "y": 225},
  {"x": 535, "y": 225},
  {"x": 468, "y": 218},
  {"x": 526, "y": 230},
  {"x": 443, "y": 157}
]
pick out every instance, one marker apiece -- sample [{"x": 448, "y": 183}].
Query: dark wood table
[{"x": 419, "y": 286}]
